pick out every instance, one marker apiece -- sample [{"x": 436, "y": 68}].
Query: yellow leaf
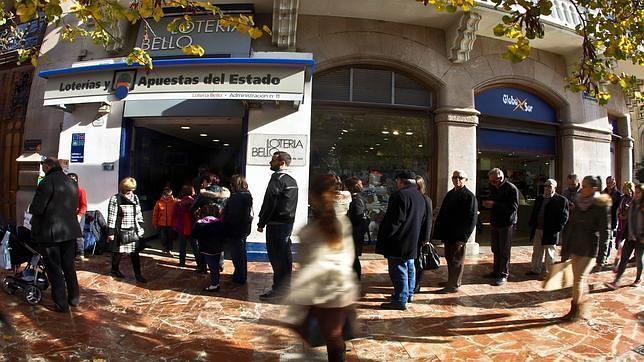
[
  {"x": 255, "y": 33},
  {"x": 34, "y": 60},
  {"x": 158, "y": 13},
  {"x": 267, "y": 30}
]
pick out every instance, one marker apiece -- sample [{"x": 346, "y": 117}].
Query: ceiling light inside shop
[
  {"x": 215, "y": 140},
  {"x": 385, "y": 132},
  {"x": 547, "y": 163},
  {"x": 409, "y": 133},
  {"x": 395, "y": 133},
  {"x": 377, "y": 144},
  {"x": 345, "y": 130},
  {"x": 226, "y": 144},
  {"x": 386, "y": 139},
  {"x": 420, "y": 146},
  {"x": 203, "y": 134},
  {"x": 185, "y": 127},
  {"x": 371, "y": 148}
]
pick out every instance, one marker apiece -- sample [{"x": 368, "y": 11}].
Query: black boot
[
  {"x": 336, "y": 355},
  {"x": 116, "y": 260},
  {"x": 136, "y": 265}
]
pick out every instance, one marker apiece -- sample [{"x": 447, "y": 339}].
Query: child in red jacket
[{"x": 162, "y": 218}]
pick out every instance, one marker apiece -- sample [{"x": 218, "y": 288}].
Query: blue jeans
[
  {"x": 403, "y": 276},
  {"x": 237, "y": 249},
  {"x": 166, "y": 234},
  {"x": 213, "y": 265},
  {"x": 195, "y": 251},
  {"x": 278, "y": 247}
]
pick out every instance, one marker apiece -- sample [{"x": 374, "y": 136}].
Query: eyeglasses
[{"x": 458, "y": 178}]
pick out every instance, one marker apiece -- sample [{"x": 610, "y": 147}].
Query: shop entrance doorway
[{"x": 169, "y": 151}]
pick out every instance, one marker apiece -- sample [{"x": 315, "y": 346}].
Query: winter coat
[
  {"x": 636, "y": 222},
  {"x": 238, "y": 215},
  {"x": 182, "y": 216},
  {"x": 359, "y": 221},
  {"x": 280, "y": 200},
  {"x": 124, "y": 213},
  {"x": 326, "y": 278},
  {"x": 209, "y": 231},
  {"x": 406, "y": 222},
  {"x": 587, "y": 229},
  {"x": 210, "y": 202},
  {"x": 506, "y": 205},
  {"x": 616, "y": 197},
  {"x": 82, "y": 202},
  {"x": 164, "y": 211},
  {"x": 53, "y": 209},
  {"x": 457, "y": 216},
  {"x": 555, "y": 217}
]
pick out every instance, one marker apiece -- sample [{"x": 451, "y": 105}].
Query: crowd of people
[{"x": 586, "y": 223}]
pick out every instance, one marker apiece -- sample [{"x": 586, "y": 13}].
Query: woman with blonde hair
[
  {"x": 325, "y": 288},
  {"x": 125, "y": 228}
]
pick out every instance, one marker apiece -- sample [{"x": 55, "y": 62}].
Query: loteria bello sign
[
  {"x": 204, "y": 30},
  {"x": 216, "y": 82}
]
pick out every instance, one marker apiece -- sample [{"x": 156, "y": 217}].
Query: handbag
[{"x": 429, "y": 258}]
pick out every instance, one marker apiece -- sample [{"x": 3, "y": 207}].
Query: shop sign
[
  {"x": 514, "y": 103},
  {"x": 196, "y": 82},
  {"x": 205, "y": 30},
  {"x": 78, "y": 148},
  {"x": 261, "y": 148}
]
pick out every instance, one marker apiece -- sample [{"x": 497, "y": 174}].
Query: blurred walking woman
[
  {"x": 588, "y": 229},
  {"x": 125, "y": 227},
  {"x": 325, "y": 288}
]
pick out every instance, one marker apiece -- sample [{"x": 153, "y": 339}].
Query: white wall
[
  {"x": 280, "y": 119},
  {"x": 102, "y": 144}
]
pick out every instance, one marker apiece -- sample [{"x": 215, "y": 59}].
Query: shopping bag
[
  {"x": 559, "y": 276},
  {"x": 5, "y": 255}
]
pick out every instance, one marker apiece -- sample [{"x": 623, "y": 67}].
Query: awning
[{"x": 260, "y": 79}]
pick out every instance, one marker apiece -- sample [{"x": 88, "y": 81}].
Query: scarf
[{"x": 584, "y": 203}]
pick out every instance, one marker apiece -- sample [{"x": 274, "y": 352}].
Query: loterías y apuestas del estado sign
[{"x": 219, "y": 82}]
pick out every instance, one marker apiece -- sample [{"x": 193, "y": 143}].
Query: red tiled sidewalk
[{"x": 170, "y": 318}]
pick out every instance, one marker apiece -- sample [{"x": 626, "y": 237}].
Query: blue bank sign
[{"x": 514, "y": 103}]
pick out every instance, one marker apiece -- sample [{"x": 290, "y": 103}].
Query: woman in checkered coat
[{"x": 125, "y": 227}]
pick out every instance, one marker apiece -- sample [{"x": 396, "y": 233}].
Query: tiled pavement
[{"x": 170, "y": 318}]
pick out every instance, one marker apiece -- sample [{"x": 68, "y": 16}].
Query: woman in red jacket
[{"x": 162, "y": 218}]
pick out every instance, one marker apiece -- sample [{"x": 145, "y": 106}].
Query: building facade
[{"x": 354, "y": 88}]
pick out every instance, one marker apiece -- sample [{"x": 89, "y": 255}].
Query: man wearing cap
[
  {"x": 405, "y": 221},
  {"x": 504, "y": 203},
  {"x": 549, "y": 215}
]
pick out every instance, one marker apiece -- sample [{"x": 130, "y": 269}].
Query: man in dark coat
[
  {"x": 549, "y": 215},
  {"x": 505, "y": 204},
  {"x": 54, "y": 227},
  {"x": 570, "y": 193},
  {"x": 404, "y": 224},
  {"x": 277, "y": 215},
  {"x": 454, "y": 225},
  {"x": 616, "y": 196}
]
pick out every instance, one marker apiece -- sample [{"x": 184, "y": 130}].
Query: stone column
[
  {"x": 456, "y": 140},
  {"x": 586, "y": 151},
  {"x": 626, "y": 158}
]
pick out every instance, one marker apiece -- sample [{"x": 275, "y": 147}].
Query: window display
[{"x": 371, "y": 145}]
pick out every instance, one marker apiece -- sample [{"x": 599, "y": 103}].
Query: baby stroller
[{"x": 32, "y": 280}]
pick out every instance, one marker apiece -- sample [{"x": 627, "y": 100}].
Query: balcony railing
[{"x": 563, "y": 13}]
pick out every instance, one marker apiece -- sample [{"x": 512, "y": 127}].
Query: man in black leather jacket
[{"x": 277, "y": 216}]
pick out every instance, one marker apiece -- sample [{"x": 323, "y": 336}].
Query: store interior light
[
  {"x": 215, "y": 140},
  {"x": 203, "y": 134},
  {"x": 185, "y": 127},
  {"x": 385, "y": 132},
  {"x": 371, "y": 148},
  {"x": 395, "y": 133},
  {"x": 226, "y": 144},
  {"x": 420, "y": 146},
  {"x": 345, "y": 130},
  {"x": 409, "y": 133}
]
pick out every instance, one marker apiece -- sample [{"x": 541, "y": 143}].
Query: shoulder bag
[{"x": 429, "y": 258}]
